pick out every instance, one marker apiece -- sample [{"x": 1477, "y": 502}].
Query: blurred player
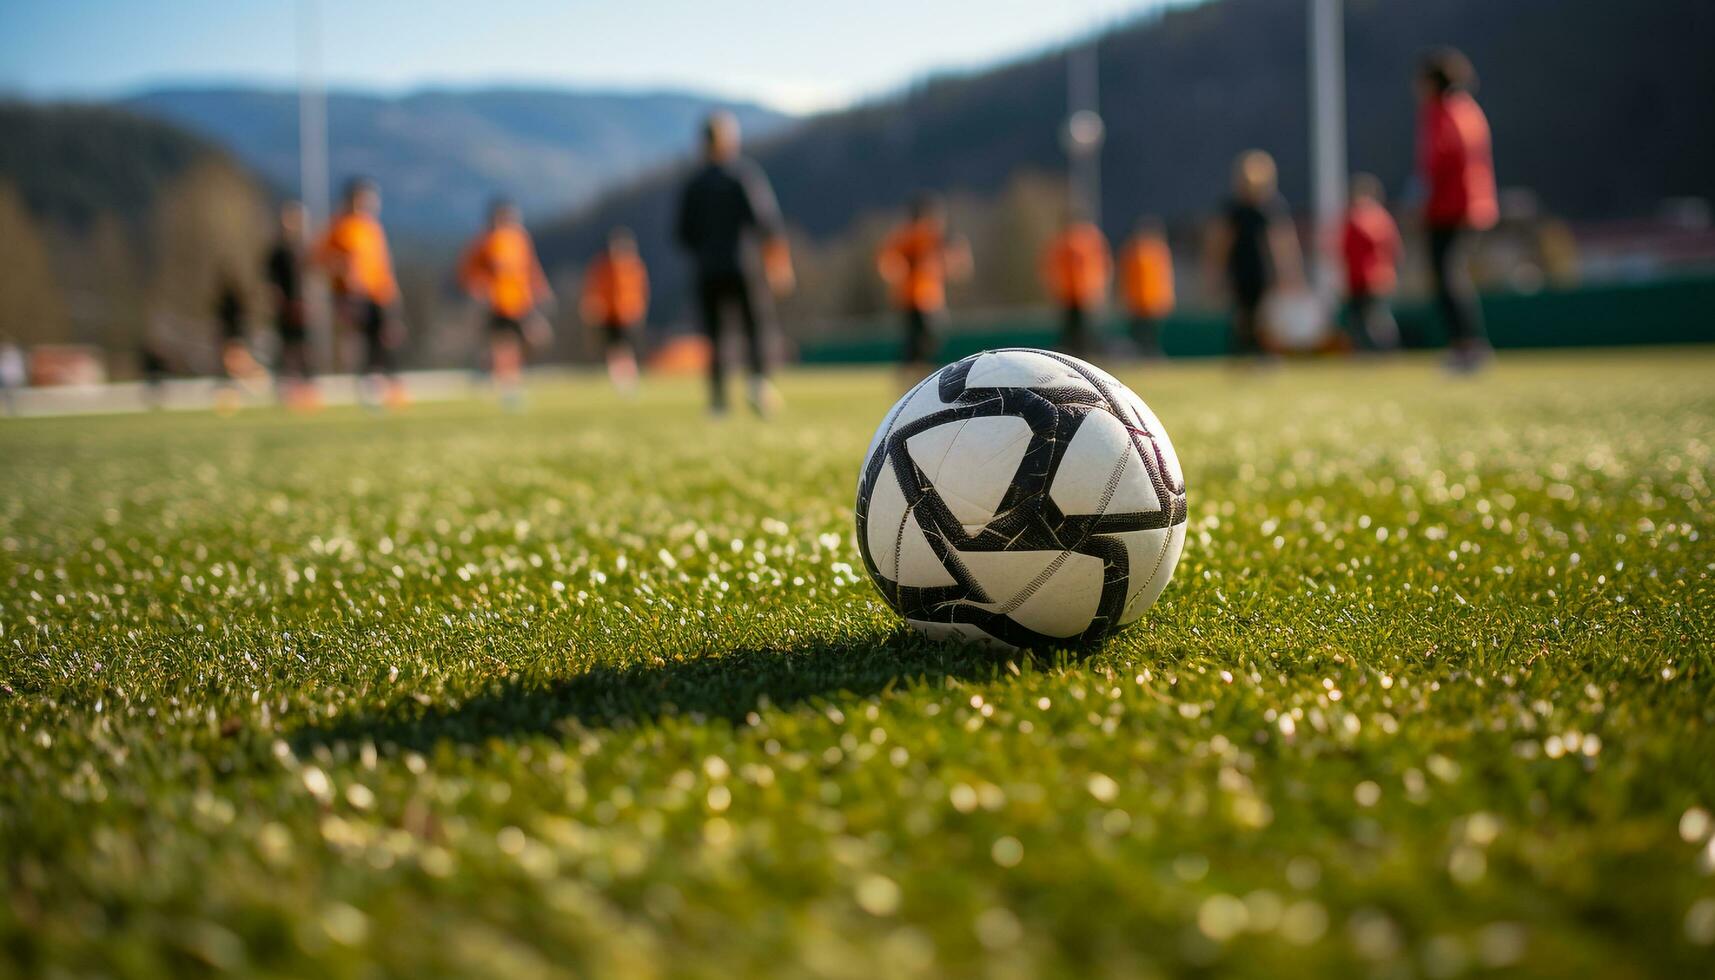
[
  {"x": 1254, "y": 246},
  {"x": 155, "y": 360},
  {"x": 614, "y": 303},
  {"x": 1456, "y": 165},
  {"x": 284, "y": 271},
  {"x": 1077, "y": 267},
  {"x": 1146, "y": 279},
  {"x": 915, "y": 262},
  {"x": 499, "y": 269},
  {"x": 616, "y": 298},
  {"x": 730, "y": 223},
  {"x": 1369, "y": 247},
  {"x": 354, "y": 254},
  {"x": 232, "y": 343}
]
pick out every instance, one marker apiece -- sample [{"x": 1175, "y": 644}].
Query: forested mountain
[
  {"x": 75, "y": 164},
  {"x": 109, "y": 221},
  {"x": 441, "y": 154},
  {"x": 1601, "y": 108}
]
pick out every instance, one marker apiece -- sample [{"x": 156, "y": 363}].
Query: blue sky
[{"x": 802, "y": 55}]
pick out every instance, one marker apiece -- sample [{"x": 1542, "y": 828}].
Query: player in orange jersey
[
  {"x": 1077, "y": 267},
  {"x": 354, "y": 254},
  {"x": 499, "y": 269},
  {"x": 616, "y": 298},
  {"x": 916, "y": 261},
  {"x": 1146, "y": 279}
]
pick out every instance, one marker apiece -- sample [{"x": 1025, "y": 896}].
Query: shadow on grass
[{"x": 725, "y": 685}]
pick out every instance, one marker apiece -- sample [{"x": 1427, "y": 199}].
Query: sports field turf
[{"x": 603, "y": 689}]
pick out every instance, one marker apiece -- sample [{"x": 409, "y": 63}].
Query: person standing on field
[
  {"x": 355, "y": 257},
  {"x": 1146, "y": 279},
  {"x": 915, "y": 261},
  {"x": 283, "y": 271},
  {"x": 730, "y": 224},
  {"x": 500, "y": 270},
  {"x": 1077, "y": 268},
  {"x": 1369, "y": 248},
  {"x": 232, "y": 342},
  {"x": 1254, "y": 247},
  {"x": 615, "y": 301},
  {"x": 234, "y": 362},
  {"x": 1455, "y": 163}
]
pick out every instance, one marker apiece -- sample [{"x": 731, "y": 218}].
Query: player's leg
[
  {"x": 1146, "y": 335},
  {"x": 621, "y": 356},
  {"x": 763, "y": 396},
  {"x": 711, "y": 303},
  {"x": 1456, "y": 297},
  {"x": 1243, "y": 342},
  {"x": 296, "y": 387},
  {"x": 756, "y": 354},
  {"x": 1381, "y": 331},
  {"x": 914, "y": 358},
  {"x": 1357, "y": 322},
  {"x": 1068, "y": 327},
  {"x": 375, "y": 366},
  {"x": 506, "y": 358}
]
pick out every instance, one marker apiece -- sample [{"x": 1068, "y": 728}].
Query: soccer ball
[{"x": 1020, "y": 498}]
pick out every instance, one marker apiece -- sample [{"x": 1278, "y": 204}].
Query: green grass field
[{"x": 603, "y": 689}]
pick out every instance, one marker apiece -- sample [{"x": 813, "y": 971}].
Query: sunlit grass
[{"x": 603, "y": 688}]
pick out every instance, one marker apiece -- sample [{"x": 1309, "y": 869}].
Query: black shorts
[
  {"x": 614, "y": 334},
  {"x": 362, "y": 314},
  {"x": 922, "y": 339},
  {"x": 1248, "y": 294},
  {"x": 291, "y": 329},
  {"x": 499, "y": 324}
]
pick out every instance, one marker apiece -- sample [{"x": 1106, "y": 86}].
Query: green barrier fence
[{"x": 1667, "y": 311}]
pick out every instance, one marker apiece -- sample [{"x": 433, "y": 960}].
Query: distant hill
[
  {"x": 116, "y": 218},
  {"x": 442, "y": 153},
  {"x": 74, "y": 164},
  {"x": 1602, "y": 108}
]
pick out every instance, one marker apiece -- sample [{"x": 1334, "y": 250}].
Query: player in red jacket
[
  {"x": 1456, "y": 165},
  {"x": 1369, "y": 246}
]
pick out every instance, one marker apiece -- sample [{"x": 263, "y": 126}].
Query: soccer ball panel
[
  {"x": 1004, "y": 575},
  {"x": 1102, "y": 472},
  {"x": 1140, "y": 603},
  {"x": 1175, "y": 476},
  {"x": 971, "y": 463},
  {"x": 919, "y": 566},
  {"x": 1150, "y": 557},
  {"x": 1023, "y": 369},
  {"x": 1053, "y": 593},
  {"x": 924, "y": 400},
  {"x": 892, "y": 419},
  {"x": 1065, "y": 603},
  {"x": 886, "y": 513},
  {"x": 1144, "y": 419}
]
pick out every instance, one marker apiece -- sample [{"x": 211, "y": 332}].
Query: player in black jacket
[{"x": 730, "y": 224}]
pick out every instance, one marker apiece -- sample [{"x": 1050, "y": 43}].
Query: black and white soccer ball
[{"x": 1022, "y": 498}]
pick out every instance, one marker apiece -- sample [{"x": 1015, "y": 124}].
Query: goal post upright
[
  {"x": 313, "y": 166},
  {"x": 1327, "y": 135}
]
